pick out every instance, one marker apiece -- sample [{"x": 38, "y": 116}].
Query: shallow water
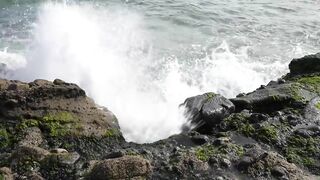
[{"x": 141, "y": 59}]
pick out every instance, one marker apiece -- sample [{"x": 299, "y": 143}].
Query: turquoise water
[{"x": 141, "y": 59}]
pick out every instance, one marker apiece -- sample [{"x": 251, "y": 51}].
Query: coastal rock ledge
[{"x": 52, "y": 130}]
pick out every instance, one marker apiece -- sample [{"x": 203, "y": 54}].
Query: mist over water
[{"x": 142, "y": 59}]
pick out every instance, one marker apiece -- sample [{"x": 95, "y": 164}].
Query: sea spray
[{"x": 109, "y": 52}]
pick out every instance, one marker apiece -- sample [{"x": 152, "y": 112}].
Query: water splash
[
  {"x": 10, "y": 62},
  {"x": 108, "y": 52}
]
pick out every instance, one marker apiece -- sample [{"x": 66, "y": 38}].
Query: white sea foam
[
  {"x": 12, "y": 61},
  {"x": 109, "y": 53}
]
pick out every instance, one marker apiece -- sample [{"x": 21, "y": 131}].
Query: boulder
[
  {"x": 305, "y": 65},
  {"x": 205, "y": 111},
  {"x": 274, "y": 97},
  {"x": 57, "y": 108},
  {"x": 125, "y": 167}
]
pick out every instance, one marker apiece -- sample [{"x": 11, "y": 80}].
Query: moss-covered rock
[
  {"x": 268, "y": 134},
  {"x": 58, "y": 108},
  {"x": 303, "y": 150},
  {"x": 230, "y": 150},
  {"x": 4, "y": 138}
]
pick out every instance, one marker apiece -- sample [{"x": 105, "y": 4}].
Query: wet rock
[
  {"x": 258, "y": 117},
  {"x": 200, "y": 139},
  {"x": 205, "y": 111},
  {"x": 222, "y": 140},
  {"x": 274, "y": 97},
  {"x": 305, "y": 65},
  {"x": 312, "y": 110},
  {"x": 121, "y": 168},
  {"x": 116, "y": 154}
]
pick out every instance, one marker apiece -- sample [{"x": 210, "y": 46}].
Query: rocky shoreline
[{"x": 52, "y": 130}]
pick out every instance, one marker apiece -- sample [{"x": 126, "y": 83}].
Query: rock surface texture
[{"x": 52, "y": 130}]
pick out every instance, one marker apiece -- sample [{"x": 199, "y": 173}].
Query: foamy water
[{"x": 143, "y": 59}]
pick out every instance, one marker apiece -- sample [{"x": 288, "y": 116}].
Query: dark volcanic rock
[
  {"x": 312, "y": 110},
  {"x": 307, "y": 64},
  {"x": 275, "y": 97},
  {"x": 204, "y": 111}
]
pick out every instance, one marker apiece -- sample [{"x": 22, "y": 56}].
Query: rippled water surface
[{"x": 141, "y": 59}]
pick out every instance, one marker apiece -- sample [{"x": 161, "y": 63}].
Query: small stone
[
  {"x": 219, "y": 178},
  {"x": 258, "y": 117},
  {"x": 200, "y": 139},
  {"x": 278, "y": 171},
  {"x": 281, "y": 81},
  {"x": 213, "y": 161},
  {"x": 241, "y": 95},
  {"x": 222, "y": 140},
  {"x": 245, "y": 162},
  {"x": 116, "y": 154},
  {"x": 225, "y": 162},
  {"x": 58, "y": 82}
]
